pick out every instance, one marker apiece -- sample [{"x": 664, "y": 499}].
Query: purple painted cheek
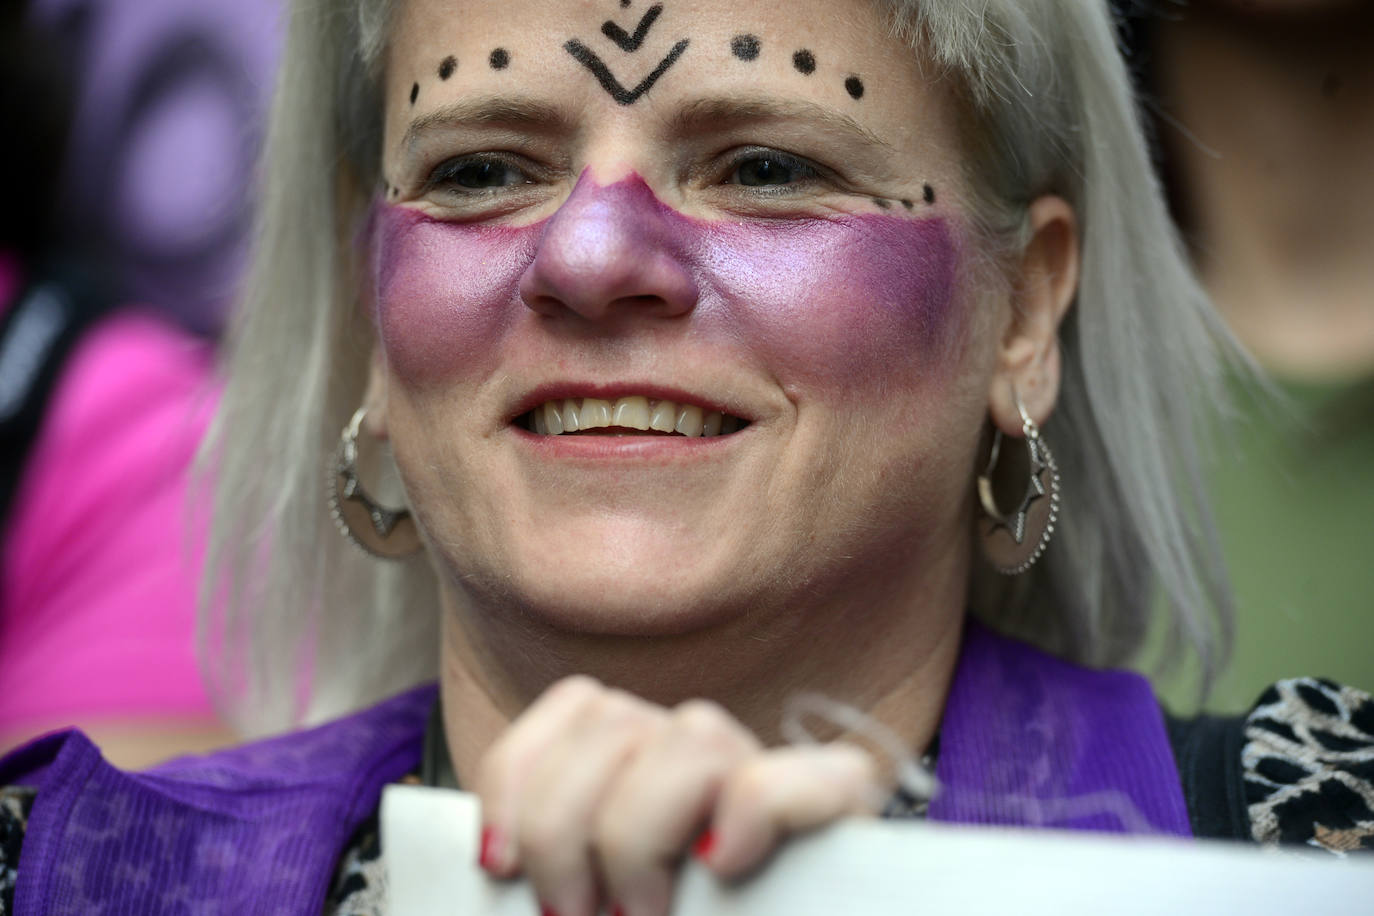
[
  {"x": 446, "y": 293},
  {"x": 852, "y": 303},
  {"x": 867, "y": 301}
]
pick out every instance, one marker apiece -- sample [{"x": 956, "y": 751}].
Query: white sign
[{"x": 430, "y": 840}]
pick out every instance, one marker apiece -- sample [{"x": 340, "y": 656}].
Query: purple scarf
[
  {"x": 1026, "y": 740},
  {"x": 1030, "y": 740}
]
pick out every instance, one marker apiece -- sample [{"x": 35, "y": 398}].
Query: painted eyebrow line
[
  {"x": 492, "y": 111},
  {"x": 709, "y": 115}
]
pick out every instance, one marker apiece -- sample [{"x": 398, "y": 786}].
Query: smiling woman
[{"x": 711, "y": 350}]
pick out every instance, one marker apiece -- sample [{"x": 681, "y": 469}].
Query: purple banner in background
[{"x": 171, "y": 98}]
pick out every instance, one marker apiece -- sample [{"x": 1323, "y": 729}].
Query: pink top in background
[{"x": 100, "y": 562}]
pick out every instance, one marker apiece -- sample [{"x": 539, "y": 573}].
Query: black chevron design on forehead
[
  {"x": 627, "y": 42},
  {"x": 589, "y": 59}
]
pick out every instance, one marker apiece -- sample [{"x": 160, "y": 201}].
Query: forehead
[{"x": 619, "y": 60}]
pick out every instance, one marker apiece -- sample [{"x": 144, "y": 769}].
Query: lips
[{"x": 628, "y": 415}]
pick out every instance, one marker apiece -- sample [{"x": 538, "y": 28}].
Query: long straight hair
[{"x": 297, "y": 625}]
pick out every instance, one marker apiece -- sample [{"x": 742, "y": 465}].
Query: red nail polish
[
  {"x": 704, "y": 844},
  {"x": 491, "y": 844}
]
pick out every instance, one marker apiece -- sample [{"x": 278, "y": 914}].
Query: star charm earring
[
  {"x": 1006, "y": 537},
  {"x": 382, "y": 531}
]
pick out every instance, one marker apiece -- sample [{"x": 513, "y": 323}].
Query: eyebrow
[
  {"x": 713, "y": 115},
  {"x": 491, "y": 111}
]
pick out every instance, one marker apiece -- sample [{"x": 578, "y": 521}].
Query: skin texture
[
  {"x": 541, "y": 235},
  {"x": 447, "y": 293}
]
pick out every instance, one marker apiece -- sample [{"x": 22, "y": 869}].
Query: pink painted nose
[{"x": 611, "y": 251}]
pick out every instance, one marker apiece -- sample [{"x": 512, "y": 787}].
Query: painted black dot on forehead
[
  {"x": 882, "y": 203},
  {"x": 745, "y": 47},
  {"x": 929, "y": 194},
  {"x": 855, "y": 87},
  {"x": 414, "y": 92},
  {"x": 804, "y": 61},
  {"x": 500, "y": 59},
  {"x": 624, "y": 4},
  {"x": 447, "y": 66}
]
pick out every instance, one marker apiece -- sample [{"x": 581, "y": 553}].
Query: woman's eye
[
  {"x": 761, "y": 171},
  {"x": 478, "y": 174}
]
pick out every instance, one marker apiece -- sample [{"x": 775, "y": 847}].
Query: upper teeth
[{"x": 553, "y": 418}]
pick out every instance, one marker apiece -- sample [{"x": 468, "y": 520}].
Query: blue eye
[{"x": 769, "y": 169}]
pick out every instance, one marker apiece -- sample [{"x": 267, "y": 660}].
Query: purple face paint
[
  {"x": 445, "y": 292},
  {"x": 853, "y": 301}
]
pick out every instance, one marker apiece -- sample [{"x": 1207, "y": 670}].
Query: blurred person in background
[
  {"x": 1264, "y": 118},
  {"x": 139, "y": 125}
]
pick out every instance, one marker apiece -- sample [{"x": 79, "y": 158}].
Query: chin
[
  {"x": 606, "y": 583},
  {"x": 640, "y": 610}
]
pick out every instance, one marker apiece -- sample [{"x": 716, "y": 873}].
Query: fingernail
[
  {"x": 704, "y": 844},
  {"x": 491, "y": 848}
]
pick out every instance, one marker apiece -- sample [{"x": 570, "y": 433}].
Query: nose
[{"x": 608, "y": 251}]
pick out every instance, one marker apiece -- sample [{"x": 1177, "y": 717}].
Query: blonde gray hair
[{"x": 297, "y": 625}]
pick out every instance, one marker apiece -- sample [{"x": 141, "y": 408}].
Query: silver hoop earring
[
  {"x": 384, "y": 532},
  {"x": 1014, "y": 541}
]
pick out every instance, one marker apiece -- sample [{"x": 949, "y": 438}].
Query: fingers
[
  {"x": 784, "y": 792},
  {"x": 506, "y": 767},
  {"x": 596, "y": 796},
  {"x": 657, "y": 806},
  {"x": 564, "y": 792}
]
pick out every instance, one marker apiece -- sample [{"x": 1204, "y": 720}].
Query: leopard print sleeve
[
  {"x": 1308, "y": 763},
  {"x": 15, "y": 804},
  {"x": 359, "y": 887}
]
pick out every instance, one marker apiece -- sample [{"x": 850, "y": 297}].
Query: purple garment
[
  {"x": 260, "y": 829},
  {"x": 1031, "y": 740},
  {"x": 253, "y": 830}
]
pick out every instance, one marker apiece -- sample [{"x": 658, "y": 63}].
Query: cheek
[
  {"x": 444, "y": 292},
  {"x": 864, "y": 303}
]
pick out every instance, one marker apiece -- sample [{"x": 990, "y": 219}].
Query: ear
[
  {"x": 1028, "y": 357},
  {"x": 374, "y": 398}
]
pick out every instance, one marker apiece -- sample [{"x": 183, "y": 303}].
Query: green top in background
[{"x": 1293, "y": 491}]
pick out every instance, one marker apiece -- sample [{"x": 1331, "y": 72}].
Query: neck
[
  {"x": 889, "y": 653},
  {"x": 1269, "y": 130}
]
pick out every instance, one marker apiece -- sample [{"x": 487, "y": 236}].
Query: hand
[{"x": 596, "y": 795}]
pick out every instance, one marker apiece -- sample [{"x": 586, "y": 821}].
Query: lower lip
[{"x": 662, "y": 449}]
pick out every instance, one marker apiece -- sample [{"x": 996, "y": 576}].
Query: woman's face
[{"x": 676, "y": 217}]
